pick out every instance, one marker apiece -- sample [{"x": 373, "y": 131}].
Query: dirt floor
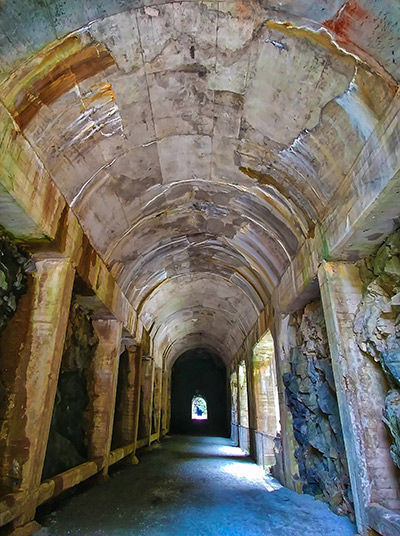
[{"x": 199, "y": 486}]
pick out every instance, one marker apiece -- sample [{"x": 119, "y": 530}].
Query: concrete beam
[{"x": 383, "y": 521}]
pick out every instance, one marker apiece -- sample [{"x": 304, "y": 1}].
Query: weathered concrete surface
[
  {"x": 366, "y": 211},
  {"x": 196, "y": 141},
  {"x": 201, "y": 486}
]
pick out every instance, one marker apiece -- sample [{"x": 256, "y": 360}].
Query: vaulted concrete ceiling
[{"x": 198, "y": 142}]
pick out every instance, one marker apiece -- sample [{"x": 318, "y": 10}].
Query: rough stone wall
[
  {"x": 311, "y": 397},
  {"x": 13, "y": 284},
  {"x": 13, "y": 278},
  {"x": 377, "y": 327},
  {"x": 67, "y": 445}
]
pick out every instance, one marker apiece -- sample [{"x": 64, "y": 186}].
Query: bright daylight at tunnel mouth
[{"x": 199, "y": 267}]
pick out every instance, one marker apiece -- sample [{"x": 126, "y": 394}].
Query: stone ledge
[{"x": 385, "y": 522}]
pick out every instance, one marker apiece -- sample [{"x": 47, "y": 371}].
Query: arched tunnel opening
[{"x": 199, "y": 372}]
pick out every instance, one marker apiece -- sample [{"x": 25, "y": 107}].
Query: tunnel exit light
[{"x": 199, "y": 409}]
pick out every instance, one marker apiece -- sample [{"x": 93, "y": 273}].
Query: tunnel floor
[{"x": 201, "y": 486}]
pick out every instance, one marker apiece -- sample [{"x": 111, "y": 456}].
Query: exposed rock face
[
  {"x": 377, "y": 326},
  {"x": 13, "y": 279},
  {"x": 67, "y": 446},
  {"x": 13, "y": 284},
  {"x": 311, "y": 398}
]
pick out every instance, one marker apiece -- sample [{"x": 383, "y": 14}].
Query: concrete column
[
  {"x": 136, "y": 400},
  {"x": 147, "y": 379},
  {"x": 360, "y": 392},
  {"x": 239, "y": 420},
  {"x": 287, "y": 468},
  {"x": 158, "y": 385},
  {"x": 151, "y": 400},
  {"x": 164, "y": 403},
  {"x": 168, "y": 406},
  {"x": 31, "y": 349},
  {"x": 124, "y": 429},
  {"x": 102, "y": 387},
  {"x": 233, "y": 403},
  {"x": 252, "y": 408}
]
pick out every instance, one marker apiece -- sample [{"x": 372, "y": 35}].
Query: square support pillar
[
  {"x": 31, "y": 348},
  {"x": 252, "y": 407},
  {"x": 360, "y": 390},
  {"x": 151, "y": 400},
  {"x": 239, "y": 420},
  {"x": 157, "y": 399},
  {"x": 136, "y": 404},
  {"x": 233, "y": 402},
  {"x": 102, "y": 388},
  {"x": 164, "y": 404},
  {"x": 127, "y": 426},
  {"x": 287, "y": 470},
  {"x": 144, "y": 399}
]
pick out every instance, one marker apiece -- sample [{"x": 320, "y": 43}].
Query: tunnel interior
[
  {"x": 199, "y": 373},
  {"x": 199, "y": 218}
]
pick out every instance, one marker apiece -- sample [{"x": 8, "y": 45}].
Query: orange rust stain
[
  {"x": 33, "y": 70},
  {"x": 244, "y": 8},
  {"x": 322, "y": 38},
  {"x": 62, "y": 230},
  {"x": 101, "y": 92},
  {"x": 63, "y": 77},
  {"x": 345, "y": 20}
]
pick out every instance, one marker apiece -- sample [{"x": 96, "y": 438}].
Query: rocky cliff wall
[
  {"x": 13, "y": 277},
  {"x": 311, "y": 397},
  {"x": 377, "y": 327},
  {"x": 13, "y": 284},
  {"x": 67, "y": 445}
]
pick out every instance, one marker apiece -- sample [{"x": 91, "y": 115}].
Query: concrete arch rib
[
  {"x": 191, "y": 342},
  {"x": 191, "y": 252},
  {"x": 197, "y": 290},
  {"x": 213, "y": 198},
  {"x": 204, "y": 303},
  {"x": 215, "y": 258}
]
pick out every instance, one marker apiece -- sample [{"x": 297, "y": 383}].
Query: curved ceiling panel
[
  {"x": 200, "y": 142},
  {"x": 202, "y": 303}
]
